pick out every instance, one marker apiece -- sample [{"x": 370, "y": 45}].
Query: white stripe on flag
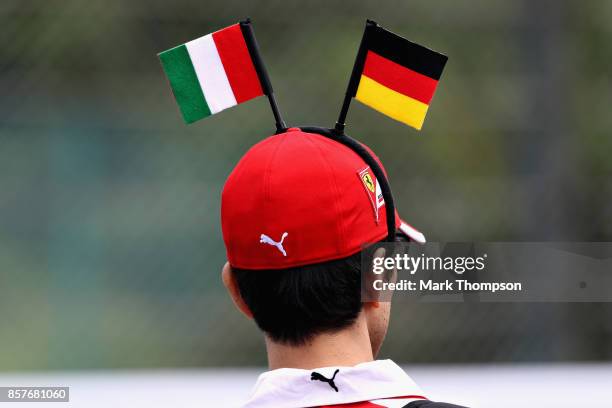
[{"x": 211, "y": 74}]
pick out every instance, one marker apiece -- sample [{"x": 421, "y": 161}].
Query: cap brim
[{"x": 411, "y": 232}]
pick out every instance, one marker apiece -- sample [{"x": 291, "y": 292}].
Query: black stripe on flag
[{"x": 410, "y": 55}]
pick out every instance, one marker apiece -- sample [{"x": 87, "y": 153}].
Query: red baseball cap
[{"x": 299, "y": 198}]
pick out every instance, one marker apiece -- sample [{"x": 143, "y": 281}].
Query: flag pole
[
  {"x": 262, "y": 73},
  {"x": 342, "y": 117},
  {"x": 351, "y": 89}
]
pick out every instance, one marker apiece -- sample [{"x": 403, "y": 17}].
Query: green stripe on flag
[{"x": 184, "y": 82}]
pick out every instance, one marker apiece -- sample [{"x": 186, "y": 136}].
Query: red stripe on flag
[
  {"x": 399, "y": 78},
  {"x": 237, "y": 63}
]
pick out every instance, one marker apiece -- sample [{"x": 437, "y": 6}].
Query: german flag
[{"x": 395, "y": 76}]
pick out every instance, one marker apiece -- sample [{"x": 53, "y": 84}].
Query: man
[{"x": 296, "y": 212}]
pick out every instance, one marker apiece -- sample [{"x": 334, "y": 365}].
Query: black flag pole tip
[
  {"x": 351, "y": 89},
  {"x": 262, "y": 73}
]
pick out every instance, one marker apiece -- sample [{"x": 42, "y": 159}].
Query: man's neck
[{"x": 347, "y": 347}]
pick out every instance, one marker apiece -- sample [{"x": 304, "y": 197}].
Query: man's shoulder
[
  {"x": 395, "y": 403},
  {"x": 430, "y": 404}
]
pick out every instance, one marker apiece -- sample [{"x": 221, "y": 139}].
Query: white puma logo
[{"x": 264, "y": 239}]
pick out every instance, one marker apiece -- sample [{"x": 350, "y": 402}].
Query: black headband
[{"x": 362, "y": 152}]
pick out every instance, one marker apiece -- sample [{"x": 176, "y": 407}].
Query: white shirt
[{"x": 380, "y": 382}]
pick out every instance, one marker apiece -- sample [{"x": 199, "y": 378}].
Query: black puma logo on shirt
[{"x": 319, "y": 377}]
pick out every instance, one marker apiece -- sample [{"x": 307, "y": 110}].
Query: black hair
[{"x": 293, "y": 305}]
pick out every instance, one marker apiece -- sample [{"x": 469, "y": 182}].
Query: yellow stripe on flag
[{"x": 394, "y": 104}]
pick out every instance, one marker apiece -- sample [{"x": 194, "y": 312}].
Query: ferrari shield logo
[
  {"x": 372, "y": 189},
  {"x": 367, "y": 180}
]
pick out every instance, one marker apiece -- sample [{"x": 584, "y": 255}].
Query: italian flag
[{"x": 211, "y": 73}]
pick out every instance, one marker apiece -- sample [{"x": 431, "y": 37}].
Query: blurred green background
[{"x": 110, "y": 241}]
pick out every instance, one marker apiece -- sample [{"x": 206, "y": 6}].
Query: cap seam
[
  {"x": 337, "y": 206},
  {"x": 227, "y": 235},
  {"x": 268, "y": 178}
]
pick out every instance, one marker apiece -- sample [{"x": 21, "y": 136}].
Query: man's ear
[
  {"x": 379, "y": 253},
  {"x": 373, "y": 302},
  {"x": 229, "y": 281}
]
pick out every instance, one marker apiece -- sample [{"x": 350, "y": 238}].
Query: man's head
[
  {"x": 292, "y": 306},
  {"x": 296, "y": 212}
]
